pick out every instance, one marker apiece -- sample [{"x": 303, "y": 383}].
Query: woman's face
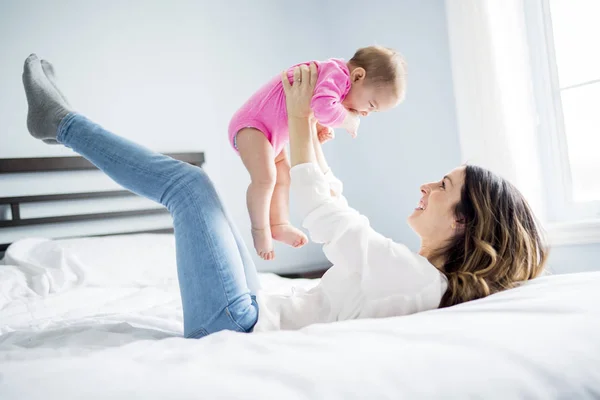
[{"x": 433, "y": 219}]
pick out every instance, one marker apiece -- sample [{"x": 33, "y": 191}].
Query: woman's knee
[
  {"x": 196, "y": 177},
  {"x": 189, "y": 182}
]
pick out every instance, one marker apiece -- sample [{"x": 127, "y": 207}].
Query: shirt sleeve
[
  {"x": 335, "y": 185},
  {"x": 349, "y": 242},
  {"x": 327, "y": 99}
]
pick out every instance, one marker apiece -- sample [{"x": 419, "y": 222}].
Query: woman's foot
[
  {"x": 46, "y": 105},
  {"x": 289, "y": 235},
  {"x": 51, "y": 75},
  {"x": 49, "y": 71},
  {"x": 263, "y": 243}
]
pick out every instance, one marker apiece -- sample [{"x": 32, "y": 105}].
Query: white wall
[
  {"x": 170, "y": 74},
  {"x": 165, "y": 74},
  {"x": 417, "y": 142}
]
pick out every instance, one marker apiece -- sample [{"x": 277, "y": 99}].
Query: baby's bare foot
[
  {"x": 289, "y": 235},
  {"x": 263, "y": 243}
]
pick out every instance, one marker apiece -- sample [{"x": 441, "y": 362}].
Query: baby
[{"x": 373, "y": 80}]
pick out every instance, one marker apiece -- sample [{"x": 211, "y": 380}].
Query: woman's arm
[
  {"x": 320, "y": 157},
  {"x": 299, "y": 112},
  {"x": 349, "y": 240},
  {"x": 304, "y": 144},
  {"x": 335, "y": 185},
  {"x": 301, "y": 141}
]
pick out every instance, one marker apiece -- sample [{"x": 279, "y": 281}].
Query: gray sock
[
  {"x": 49, "y": 71},
  {"x": 46, "y": 106}
]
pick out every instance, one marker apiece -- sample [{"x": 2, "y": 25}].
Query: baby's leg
[
  {"x": 281, "y": 229},
  {"x": 257, "y": 155}
]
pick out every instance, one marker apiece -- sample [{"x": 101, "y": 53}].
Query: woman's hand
[{"x": 299, "y": 95}]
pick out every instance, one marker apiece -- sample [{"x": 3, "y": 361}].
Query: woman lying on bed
[{"x": 478, "y": 235}]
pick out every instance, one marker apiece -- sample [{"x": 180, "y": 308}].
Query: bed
[{"x": 100, "y": 317}]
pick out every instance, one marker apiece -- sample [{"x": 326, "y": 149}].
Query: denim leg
[{"x": 211, "y": 257}]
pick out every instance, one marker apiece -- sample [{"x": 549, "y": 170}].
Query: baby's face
[{"x": 365, "y": 99}]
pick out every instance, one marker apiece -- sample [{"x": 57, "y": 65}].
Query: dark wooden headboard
[{"x": 53, "y": 164}]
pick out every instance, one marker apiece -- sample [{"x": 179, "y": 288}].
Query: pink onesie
[{"x": 266, "y": 110}]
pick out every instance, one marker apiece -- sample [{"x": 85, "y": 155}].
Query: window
[{"x": 564, "y": 38}]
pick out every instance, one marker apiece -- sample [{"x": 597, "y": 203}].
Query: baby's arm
[{"x": 327, "y": 99}]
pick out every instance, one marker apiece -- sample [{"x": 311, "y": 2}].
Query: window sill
[{"x": 573, "y": 233}]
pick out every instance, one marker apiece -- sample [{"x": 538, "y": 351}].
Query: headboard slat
[
  {"x": 47, "y": 164},
  {"x": 52, "y": 164},
  {"x": 4, "y": 246},
  {"x": 66, "y": 196},
  {"x": 81, "y": 217}
]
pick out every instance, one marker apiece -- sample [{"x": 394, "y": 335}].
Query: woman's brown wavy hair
[{"x": 500, "y": 243}]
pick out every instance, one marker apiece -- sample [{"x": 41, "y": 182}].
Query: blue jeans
[{"x": 217, "y": 277}]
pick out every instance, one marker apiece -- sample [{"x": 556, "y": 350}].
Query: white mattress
[{"x": 100, "y": 318}]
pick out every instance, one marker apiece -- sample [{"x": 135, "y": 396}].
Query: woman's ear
[{"x": 358, "y": 74}]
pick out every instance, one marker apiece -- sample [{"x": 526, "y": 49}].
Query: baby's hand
[
  {"x": 351, "y": 123},
  {"x": 324, "y": 133}
]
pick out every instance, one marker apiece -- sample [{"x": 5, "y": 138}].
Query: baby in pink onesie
[{"x": 373, "y": 80}]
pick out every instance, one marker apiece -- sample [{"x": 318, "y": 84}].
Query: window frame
[{"x": 552, "y": 137}]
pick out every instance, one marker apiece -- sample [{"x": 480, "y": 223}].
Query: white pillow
[{"x": 52, "y": 266}]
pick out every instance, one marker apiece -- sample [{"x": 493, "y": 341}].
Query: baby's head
[{"x": 378, "y": 76}]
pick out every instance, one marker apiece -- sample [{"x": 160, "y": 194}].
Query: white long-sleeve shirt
[{"x": 371, "y": 276}]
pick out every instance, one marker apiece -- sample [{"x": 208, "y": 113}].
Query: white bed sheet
[{"x": 76, "y": 336}]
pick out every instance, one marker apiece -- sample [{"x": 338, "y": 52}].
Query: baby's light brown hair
[{"x": 384, "y": 66}]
